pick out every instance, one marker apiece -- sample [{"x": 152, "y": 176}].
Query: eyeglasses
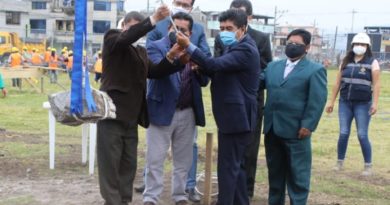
[
  {"x": 183, "y": 5},
  {"x": 294, "y": 43}
]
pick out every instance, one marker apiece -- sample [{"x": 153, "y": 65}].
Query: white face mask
[
  {"x": 177, "y": 9},
  {"x": 137, "y": 43},
  {"x": 359, "y": 50}
]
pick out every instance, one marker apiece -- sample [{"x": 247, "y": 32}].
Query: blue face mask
[{"x": 228, "y": 38}]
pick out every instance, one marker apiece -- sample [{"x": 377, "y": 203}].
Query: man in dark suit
[
  {"x": 126, "y": 67},
  {"x": 175, "y": 108},
  {"x": 263, "y": 45},
  {"x": 296, "y": 96},
  {"x": 234, "y": 85}
]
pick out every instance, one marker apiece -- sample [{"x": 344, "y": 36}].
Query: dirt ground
[{"x": 28, "y": 180}]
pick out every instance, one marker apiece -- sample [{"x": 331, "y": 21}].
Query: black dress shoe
[
  {"x": 149, "y": 203},
  {"x": 140, "y": 189},
  {"x": 193, "y": 195}
]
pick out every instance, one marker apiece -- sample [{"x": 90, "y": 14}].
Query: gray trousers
[
  {"x": 117, "y": 160},
  {"x": 179, "y": 135}
]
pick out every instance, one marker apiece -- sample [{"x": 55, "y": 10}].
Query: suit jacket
[
  {"x": 198, "y": 36},
  {"x": 296, "y": 101},
  {"x": 126, "y": 69},
  {"x": 163, "y": 94},
  {"x": 234, "y": 85}
]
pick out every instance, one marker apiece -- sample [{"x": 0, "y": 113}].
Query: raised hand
[
  {"x": 161, "y": 13},
  {"x": 182, "y": 40}
]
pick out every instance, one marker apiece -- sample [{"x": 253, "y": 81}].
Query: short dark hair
[
  {"x": 243, "y": 3},
  {"x": 306, "y": 35},
  {"x": 183, "y": 16},
  {"x": 238, "y": 17},
  {"x": 133, "y": 15},
  {"x": 193, "y": 2}
]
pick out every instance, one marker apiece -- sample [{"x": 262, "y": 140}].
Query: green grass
[{"x": 22, "y": 112}]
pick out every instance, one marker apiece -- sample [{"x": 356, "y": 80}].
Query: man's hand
[
  {"x": 303, "y": 133},
  {"x": 4, "y": 92},
  {"x": 183, "y": 40},
  {"x": 161, "y": 13},
  {"x": 184, "y": 58}
]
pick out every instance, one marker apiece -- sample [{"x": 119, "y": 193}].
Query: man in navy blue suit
[
  {"x": 175, "y": 108},
  {"x": 234, "y": 85}
]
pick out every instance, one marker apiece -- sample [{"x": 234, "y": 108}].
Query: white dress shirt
[{"x": 289, "y": 67}]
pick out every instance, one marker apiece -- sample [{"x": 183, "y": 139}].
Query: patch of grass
[{"x": 21, "y": 200}]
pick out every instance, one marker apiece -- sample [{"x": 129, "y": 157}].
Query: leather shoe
[
  {"x": 193, "y": 195},
  {"x": 182, "y": 202},
  {"x": 140, "y": 189},
  {"x": 149, "y": 203}
]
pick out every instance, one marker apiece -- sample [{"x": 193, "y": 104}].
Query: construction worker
[
  {"x": 36, "y": 58},
  {"x": 47, "y": 56},
  {"x": 53, "y": 65},
  {"x": 15, "y": 60},
  {"x": 69, "y": 64},
  {"x": 98, "y": 67},
  {"x": 2, "y": 87},
  {"x": 26, "y": 55},
  {"x": 62, "y": 58}
]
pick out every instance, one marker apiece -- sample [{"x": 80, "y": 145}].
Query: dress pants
[
  {"x": 252, "y": 150},
  {"x": 231, "y": 172},
  {"x": 289, "y": 163},
  {"x": 117, "y": 160},
  {"x": 179, "y": 135}
]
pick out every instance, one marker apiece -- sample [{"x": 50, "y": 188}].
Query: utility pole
[
  {"x": 334, "y": 43},
  {"x": 353, "y": 19},
  {"x": 148, "y": 6}
]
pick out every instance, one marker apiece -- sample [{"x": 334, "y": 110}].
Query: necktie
[{"x": 289, "y": 67}]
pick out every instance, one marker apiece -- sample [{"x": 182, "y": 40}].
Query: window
[
  {"x": 38, "y": 5},
  {"x": 102, "y": 6},
  {"x": 38, "y": 25},
  {"x": 120, "y": 6},
  {"x": 68, "y": 3},
  {"x": 2, "y": 40},
  {"x": 65, "y": 25},
  {"x": 12, "y": 18},
  {"x": 101, "y": 26}
]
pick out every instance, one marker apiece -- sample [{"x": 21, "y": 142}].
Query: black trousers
[
  {"x": 231, "y": 172},
  {"x": 117, "y": 143},
  {"x": 252, "y": 150}
]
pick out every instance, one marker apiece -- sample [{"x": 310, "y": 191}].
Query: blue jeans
[{"x": 360, "y": 111}]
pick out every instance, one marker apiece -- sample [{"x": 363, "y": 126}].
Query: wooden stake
[{"x": 208, "y": 169}]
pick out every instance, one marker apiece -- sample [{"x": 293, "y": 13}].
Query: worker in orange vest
[
  {"x": 98, "y": 67},
  {"x": 69, "y": 63},
  {"x": 47, "y": 56},
  {"x": 15, "y": 60},
  {"x": 53, "y": 65},
  {"x": 36, "y": 58}
]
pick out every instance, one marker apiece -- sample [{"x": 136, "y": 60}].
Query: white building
[{"x": 54, "y": 20}]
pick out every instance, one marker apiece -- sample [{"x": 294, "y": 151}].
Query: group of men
[{"x": 159, "y": 88}]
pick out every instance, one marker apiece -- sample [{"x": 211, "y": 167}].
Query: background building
[{"x": 53, "y": 20}]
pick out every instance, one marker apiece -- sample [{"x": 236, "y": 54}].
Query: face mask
[
  {"x": 228, "y": 38},
  {"x": 137, "y": 43},
  {"x": 295, "y": 50},
  {"x": 177, "y": 9},
  {"x": 359, "y": 50},
  {"x": 172, "y": 37}
]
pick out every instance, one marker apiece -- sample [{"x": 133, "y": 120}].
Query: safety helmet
[
  {"x": 34, "y": 49},
  {"x": 24, "y": 48},
  {"x": 49, "y": 48},
  {"x": 84, "y": 53},
  {"x": 14, "y": 49},
  {"x": 65, "y": 48},
  {"x": 361, "y": 38},
  {"x": 70, "y": 53},
  {"x": 53, "y": 49},
  {"x": 99, "y": 52}
]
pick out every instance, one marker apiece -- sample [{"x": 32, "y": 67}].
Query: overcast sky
[{"x": 326, "y": 14}]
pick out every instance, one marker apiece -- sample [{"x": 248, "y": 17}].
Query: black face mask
[
  {"x": 172, "y": 37},
  {"x": 295, "y": 50}
]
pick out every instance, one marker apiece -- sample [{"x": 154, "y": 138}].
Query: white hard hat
[{"x": 361, "y": 38}]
